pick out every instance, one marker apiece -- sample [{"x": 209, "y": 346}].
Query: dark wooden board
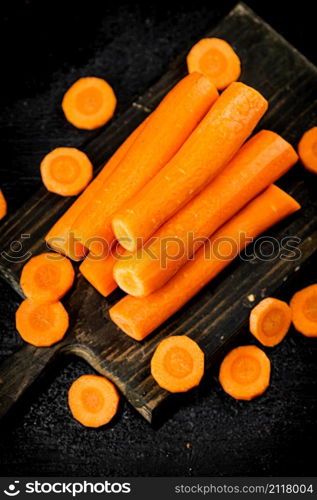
[{"x": 217, "y": 315}]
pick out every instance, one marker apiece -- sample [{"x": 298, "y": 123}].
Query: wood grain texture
[{"x": 217, "y": 315}]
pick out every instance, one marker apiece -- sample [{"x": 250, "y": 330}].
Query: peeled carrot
[
  {"x": 205, "y": 153},
  {"x": 177, "y": 364},
  {"x": 139, "y": 316},
  {"x": 89, "y": 103},
  {"x": 216, "y": 59},
  {"x": 166, "y": 130},
  {"x": 60, "y": 237},
  {"x": 93, "y": 400},
  {"x": 307, "y": 150},
  {"x": 270, "y": 320},
  {"x": 3, "y": 205},
  {"x": 245, "y": 372},
  {"x": 47, "y": 277},
  {"x": 66, "y": 171},
  {"x": 261, "y": 161},
  {"x": 304, "y": 311},
  {"x": 41, "y": 323}
]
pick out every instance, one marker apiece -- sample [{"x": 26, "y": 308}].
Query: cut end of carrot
[
  {"x": 93, "y": 400},
  {"x": 129, "y": 282},
  {"x": 122, "y": 234},
  {"x": 307, "y": 150},
  {"x": 304, "y": 311},
  {"x": 178, "y": 364},
  {"x": 3, "y": 205},
  {"x": 89, "y": 103},
  {"x": 270, "y": 321},
  {"x": 126, "y": 319}
]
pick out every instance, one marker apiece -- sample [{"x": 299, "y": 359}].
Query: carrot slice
[
  {"x": 216, "y": 59},
  {"x": 177, "y": 364},
  {"x": 93, "y": 400},
  {"x": 307, "y": 150},
  {"x": 66, "y": 171},
  {"x": 3, "y": 205},
  {"x": 47, "y": 277},
  {"x": 245, "y": 372},
  {"x": 41, "y": 324},
  {"x": 89, "y": 103},
  {"x": 270, "y": 320},
  {"x": 304, "y": 311}
]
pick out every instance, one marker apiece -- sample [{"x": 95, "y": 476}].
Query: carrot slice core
[{"x": 304, "y": 311}]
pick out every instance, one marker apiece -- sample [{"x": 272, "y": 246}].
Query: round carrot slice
[
  {"x": 270, "y": 321},
  {"x": 47, "y": 277},
  {"x": 304, "y": 311},
  {"x": 177, "y": 364},
  {"x": 93, "y": 400},
  {"x": 89, "y": 103},
  {"x": 41, "y": 324},
  {"x": 307, "y": 150},
  {"x": 216, "y": 59},
  {"x": 245, "y": 372},
  {"x": 3, "y": 205},
  {"x": 66, "y": 171}
]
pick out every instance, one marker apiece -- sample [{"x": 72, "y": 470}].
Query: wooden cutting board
[{"x": 217, "y": 315}]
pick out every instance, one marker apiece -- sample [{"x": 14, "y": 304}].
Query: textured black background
[{"x": 45, "y": 46}]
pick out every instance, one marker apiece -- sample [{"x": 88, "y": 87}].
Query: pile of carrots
[{"x": 174, "y": 205}]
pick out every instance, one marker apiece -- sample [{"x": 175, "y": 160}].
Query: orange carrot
[
  {"x": 89, "y": 103},
  {"x": 270, "y": 320},
  {"x": 207, "y": 151},
  {"x": 177, "y": 364},
  {"x": 167, "y": 129},
  {"x": 216, "y": 59},
  {"x": 307, "y": 150},
  {"x": 138, "y": 317},
  {"x": 245, "y": 372},
  {"x": 60, "y": 237},
  {"x": 41, "y": 324},
  {"x": 93, "y": 400},
  {"x": 47, "y": 277},
  {"x": 304, "y": 311},
  {"x": 66, "y": 171},
  {"x": 3, "y": 205},
  {"x": 261, "y": 161}
]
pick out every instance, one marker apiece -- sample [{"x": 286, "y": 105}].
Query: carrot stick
[
  {"x": 93, "y": 400},
  {"x": 245, "y": 372},
  {"x": 167, "y": 129},
  {"x": 177, "y": 364},
  {"x": 270, "y": 320},
  {"x": 307, "y": 150},
  {"x": 260, "y": 162},
  {"x": 3, "y": 205},
  {"x": 138, "y": 317},
  {"x": 60, "y": 237},
  {"x": 304, "y": 311},
  {"x": 207, "y": 151}
]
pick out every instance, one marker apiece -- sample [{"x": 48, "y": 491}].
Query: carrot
[
  {"x": 304, "y": 311},
  {"x": 3, "y": 205},
  {"x": 307, "y": 150},
  {"x": 245, "y": 372},
  {"x": 66, "y": 171},
  {"x": 41, "y": 323},
  {"x": 207, "y": 151},
  {"x": 93, "y": 400},
  {"x": 60, "y": 237},
  {"x": 139, "y": 316},
  {"x": 166, "y": 130},
  {"x": 47, "y": 277},
  {"x": 270, "y": 320},
  {"x": 261, "y": 161},
  {"x": 89, "y": 103},
  {"x": 216, "y": 59},
  {"x": 177, "y": 364}
]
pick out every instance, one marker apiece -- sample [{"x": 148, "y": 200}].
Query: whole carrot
[{"x": 138, "y": 317}]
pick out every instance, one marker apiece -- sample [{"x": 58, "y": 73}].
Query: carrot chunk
[
  {"x": 270, "y": 321},
  {"x": 66, "y": 171},
  {"x": 41, "y": 324},
  {"x": 245, "y": 372},
  {"x": 89, "y": 103},
  {"x": 178, "y": 364},
  {"x": 47, "y": 277},
  {"x": 304, "y": 311},
  {"x": 93, "y": 400},
  {"x": 216, "y": 59},
  {"x": 3, "y": 205},
  {"x": 307, "y": 150}
]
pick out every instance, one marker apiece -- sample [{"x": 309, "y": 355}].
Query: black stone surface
[{"x": 44, "y": 49}]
